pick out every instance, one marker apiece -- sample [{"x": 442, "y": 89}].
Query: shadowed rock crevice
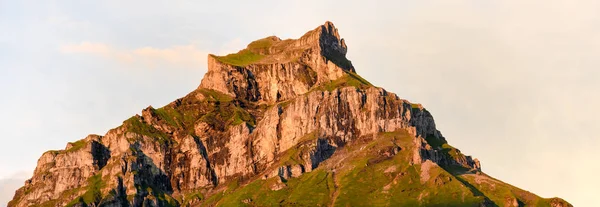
[
  {"x": 334, "y": 48},
  {"x": 151, "y": 182},
  {"x": 202, "y": 149},
  {"x": 121, "y": 193},
  {"x": 322, "y": 152},
  {"x": 100, "y": 153}
]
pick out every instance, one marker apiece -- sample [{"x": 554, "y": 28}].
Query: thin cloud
[
  {"x": 86, "y": 47},
  {"x": 10, "y": 184},
  {"x": 178, "y": 55}
]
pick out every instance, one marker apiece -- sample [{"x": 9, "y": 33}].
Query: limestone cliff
[{"x": 281, "y": 122}]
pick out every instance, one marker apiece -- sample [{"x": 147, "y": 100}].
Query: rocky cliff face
[{"x": 262, "y": 128}]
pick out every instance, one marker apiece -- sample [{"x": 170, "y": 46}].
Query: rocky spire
[
  {"x": 333, "y": 47},
  {"x": 326, "y": 39}
]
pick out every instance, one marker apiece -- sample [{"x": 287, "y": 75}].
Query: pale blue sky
[{"x": 513, "y": 83}]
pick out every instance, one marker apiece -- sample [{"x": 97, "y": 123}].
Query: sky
[{"x": 514, "y": 83}]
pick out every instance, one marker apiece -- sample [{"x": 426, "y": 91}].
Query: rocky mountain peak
[
  {"x": 273, "y": 70},
  {"x": 330, "y": 29},
  {"x": 333, "y": 46},
  {"x": 280, "y": 123}
]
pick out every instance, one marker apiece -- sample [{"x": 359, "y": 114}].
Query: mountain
[{"x": 280, "y": 123}]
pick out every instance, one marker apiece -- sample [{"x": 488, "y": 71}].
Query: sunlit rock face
[{"x": 277, "y": 115}]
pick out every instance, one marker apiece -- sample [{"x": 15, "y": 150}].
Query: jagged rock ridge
[{"x": 281, "y": 122}]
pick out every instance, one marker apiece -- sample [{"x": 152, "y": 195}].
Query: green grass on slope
[
  {"x": 93, "y": 193},
  {"x": 216, "y": 109},
  {"x": 228, "y": 114},
  {"x": 348, "y": 79},
  {"x": 311, "y": 189},
  {"x": 262, "y": 45},
  {"x": 223, "y": 111},
  {"x": 394, "y": 182},
  {"x": 170, "y": 115},
  {"x": 501, "y": 193},
  {"x": 242, "y": 58},
  {"x": 80, "y": 144},
  {"x": 435, "y": 142},
  {"x": 215, "y": 96},
  {"x": 162, "y": 198},
  {"x": 367, "y": 179},
  {"x": 359, "y": 78},
  {"x": 186, "y": 116},
  {"x": 135, "y": 125}
]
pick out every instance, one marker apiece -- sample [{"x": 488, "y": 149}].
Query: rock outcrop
[{"x": 276, "y": 114}]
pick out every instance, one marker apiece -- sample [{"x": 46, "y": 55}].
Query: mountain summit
[
  {"x": 272, "y": 70},
  {"x": 280, "y": 123}
]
